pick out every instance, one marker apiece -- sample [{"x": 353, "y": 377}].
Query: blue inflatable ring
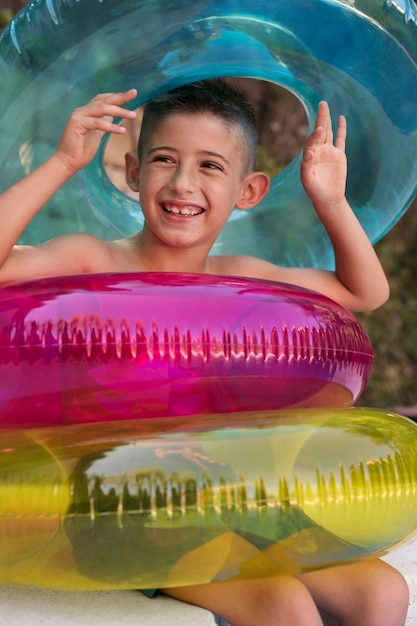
[{"x": 360, "y": 55}]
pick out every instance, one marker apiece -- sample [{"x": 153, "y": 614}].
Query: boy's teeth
[{"x": 183, "y": 211}]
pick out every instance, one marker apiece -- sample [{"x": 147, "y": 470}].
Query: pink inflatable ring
[{"x": 121, "y": 346}]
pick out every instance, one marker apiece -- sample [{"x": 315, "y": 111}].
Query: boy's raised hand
[
  {"x": 87, "y": 125},
  {"x": 324, "y": 165}
]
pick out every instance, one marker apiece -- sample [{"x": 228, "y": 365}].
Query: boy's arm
[
  {"x": 21, "y": 202},
  {"x": 359, "y": 278},
  {"x": 359, "y": 282}
]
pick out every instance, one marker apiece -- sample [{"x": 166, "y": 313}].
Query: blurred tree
[
  {"x": 8, "y": 8},
  {"x": 393, "y": 328}
]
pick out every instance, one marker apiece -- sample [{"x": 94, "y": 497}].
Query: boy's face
[{"x": 190, "y": 178}]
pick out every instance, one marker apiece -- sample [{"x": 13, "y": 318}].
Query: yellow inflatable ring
[{"x": 154, "y": 503}]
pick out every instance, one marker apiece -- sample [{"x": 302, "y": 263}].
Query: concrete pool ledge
[{"x": 39, "y": 607}]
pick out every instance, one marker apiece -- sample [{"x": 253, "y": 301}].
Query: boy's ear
[
  {"x": 132, "y": 170},
  {"x": 255, "y": 187}
]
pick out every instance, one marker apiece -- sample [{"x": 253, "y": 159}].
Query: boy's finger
[
  {"x": 105, "y": 109},
  {"x": 323, "y": 120},
  {"x": 125, "y": 96},
  {"x": 116, "y": 100},
  {"x": 115, "y": 96},
  {"x": 340, "y": 141},
  {"x": 317, "y": 136}
]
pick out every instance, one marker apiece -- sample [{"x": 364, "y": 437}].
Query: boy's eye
[
  {"x": 211, "y": 166},
  {"x": 162, "y": 158}
]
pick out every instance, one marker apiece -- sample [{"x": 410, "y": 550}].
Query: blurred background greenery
[{"x": 393, "y": 327}]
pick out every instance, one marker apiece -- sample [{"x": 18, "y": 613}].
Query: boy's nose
[{"x": 183, "y": 180}]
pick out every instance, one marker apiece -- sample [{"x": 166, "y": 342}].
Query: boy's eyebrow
[
  {"x": 207, "y": 153},
  {"x": 216, "y": 154}
]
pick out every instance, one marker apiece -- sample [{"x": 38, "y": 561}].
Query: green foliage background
[{"x": 393, "y": 327}]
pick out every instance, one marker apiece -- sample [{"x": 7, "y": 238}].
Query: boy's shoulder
[
  {"x": 79, "y": 251},
  {"x": 243, "y": 265}
]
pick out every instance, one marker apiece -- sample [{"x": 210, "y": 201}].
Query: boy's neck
[{"x": 154, "y": 256}]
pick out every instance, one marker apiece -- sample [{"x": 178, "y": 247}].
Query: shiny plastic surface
[
  {"x": 155, "y": 503},
  {"x": 360, "y": 55},
  {"x": 105, "y": 347}
]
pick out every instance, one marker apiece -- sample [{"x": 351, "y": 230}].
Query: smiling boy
[{"x": 195, "y": 164}]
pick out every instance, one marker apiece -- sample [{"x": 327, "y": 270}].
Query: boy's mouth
[{"x": 186, "y": 211}]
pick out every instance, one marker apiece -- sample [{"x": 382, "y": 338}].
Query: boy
[
  {"x": 187, "y": 194},
  {"x": 195, "y": 163}
]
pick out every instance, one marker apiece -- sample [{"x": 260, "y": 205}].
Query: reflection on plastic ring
[
  {"x": 106, "y": 347},
  {"x": 154, "y": 503}
]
